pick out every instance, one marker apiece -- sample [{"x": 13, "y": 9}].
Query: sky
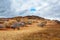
[{"x": 49, "y": 9}]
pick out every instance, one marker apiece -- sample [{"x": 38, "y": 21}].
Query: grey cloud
[{"x": 52, "y": 10}]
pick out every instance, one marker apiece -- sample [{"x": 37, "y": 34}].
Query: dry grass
[
  {"x": 17, "y": 34},
  {"x": 33, "y": 32}
]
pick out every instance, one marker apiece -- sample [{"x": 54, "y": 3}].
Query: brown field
[{"x": 33, "y": 32}]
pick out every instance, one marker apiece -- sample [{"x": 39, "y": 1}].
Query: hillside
[{"x": 32, "y": 29}]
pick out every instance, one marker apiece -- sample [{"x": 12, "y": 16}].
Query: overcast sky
[{"x": 44, "y": 8}]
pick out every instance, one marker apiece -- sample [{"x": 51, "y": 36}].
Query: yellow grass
[{"x": 33, "y": 32}]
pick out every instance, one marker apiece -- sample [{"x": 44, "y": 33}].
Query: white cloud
[{"x": 44, "y": 8}]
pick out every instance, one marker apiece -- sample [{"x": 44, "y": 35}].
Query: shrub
[
  {"x": 22, "y": 23},
  {"x": 9, "y": 23},
  {"x": 2, "y": 26},
  {"x": 29, "y": 22},
  {"x": 42, "y": 24},
  {"x": 57, "y": 21},
  {"x": 16, "y": 25}
]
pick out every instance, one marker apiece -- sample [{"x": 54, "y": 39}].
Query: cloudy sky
[{"x": 44, "y": 8}]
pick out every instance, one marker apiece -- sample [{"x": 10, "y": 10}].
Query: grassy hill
[{"x": 51, "y": 31}]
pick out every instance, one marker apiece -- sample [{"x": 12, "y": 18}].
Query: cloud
[{"x": 44, "y": 8}]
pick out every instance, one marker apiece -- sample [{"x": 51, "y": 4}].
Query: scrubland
[{"x": 51, "y": 31}]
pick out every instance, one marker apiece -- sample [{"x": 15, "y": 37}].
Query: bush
[
  {"x": 29, "y": 22},
  {"x": 16, "y": 25},
  {"x": 2, "y": 26},
  {"x": 57, "y": 21},
  {"x": 22, "y": 23},
  {"x": 9, "y": 23},
  {"x": 42, "y": 24}
]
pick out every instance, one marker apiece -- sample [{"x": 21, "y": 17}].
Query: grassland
[{"x": 33, "y": 32}]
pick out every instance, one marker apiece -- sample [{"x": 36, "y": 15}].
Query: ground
[{"x": 32, "y": 33}]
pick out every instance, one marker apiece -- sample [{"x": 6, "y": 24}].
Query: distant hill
[{"x": 29, "y": 17}]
